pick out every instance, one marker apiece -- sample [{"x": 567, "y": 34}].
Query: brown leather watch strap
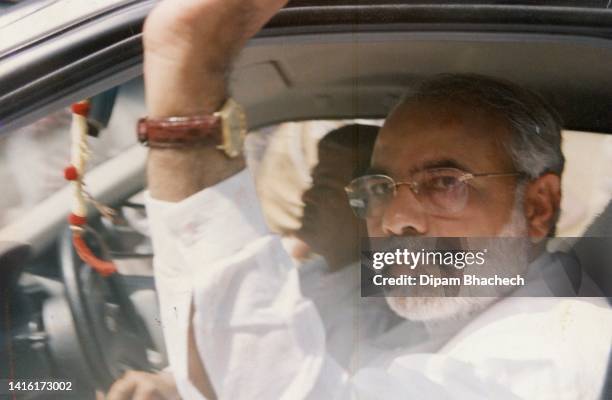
[{"x": 177, "y": 132}]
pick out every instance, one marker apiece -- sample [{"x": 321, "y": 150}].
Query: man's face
[
  {"x": 421, "y": 136},
  {"x": 328, "y": 224}
]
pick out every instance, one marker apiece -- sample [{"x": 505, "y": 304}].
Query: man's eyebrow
[{"x": 442, "y": 163}]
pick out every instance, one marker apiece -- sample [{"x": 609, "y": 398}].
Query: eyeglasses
[{"x": 440, "y": 191}]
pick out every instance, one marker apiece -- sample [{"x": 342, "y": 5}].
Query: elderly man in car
[{"x": 486, "y": 157}]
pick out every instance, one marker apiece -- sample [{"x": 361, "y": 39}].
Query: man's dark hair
[
  {"x": 356, "y": 137},
  {"x": 535, "y": 146}
]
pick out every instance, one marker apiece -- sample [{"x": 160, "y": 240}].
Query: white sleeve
[{"x": 257, "y": 335}]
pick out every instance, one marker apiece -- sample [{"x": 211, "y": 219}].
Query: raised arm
[{"x": 189, "y": 49}]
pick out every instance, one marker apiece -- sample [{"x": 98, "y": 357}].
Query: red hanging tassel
[
  {"x": 103, "y": 267},
  {"x": 81, "y": 108},
  {"x": 74, "y": 172},
  {"x": 71, "y": 173}
]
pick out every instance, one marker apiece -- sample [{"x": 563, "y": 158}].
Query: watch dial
[{"x": 236, "y": 125}]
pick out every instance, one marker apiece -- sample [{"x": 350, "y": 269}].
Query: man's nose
[{"x": 404, "y": 215}]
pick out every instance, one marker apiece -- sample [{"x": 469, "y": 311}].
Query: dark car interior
[{"x": 367, "y": 57}]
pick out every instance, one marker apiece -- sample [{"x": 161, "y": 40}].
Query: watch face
[{"x": 234, "y": 129}]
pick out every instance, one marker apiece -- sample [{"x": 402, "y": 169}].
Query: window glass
[
  {"x": 284, "y": 158},
  {"x": 587, "y": 182},
  {"x": 33, "y": 158}
]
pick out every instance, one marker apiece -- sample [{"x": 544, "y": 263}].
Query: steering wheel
[{"x": 111, "y": 334}]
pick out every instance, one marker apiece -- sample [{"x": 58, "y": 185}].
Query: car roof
[
  {"x": 319, "y": 59},
  {"x": 33, "y": 20}
]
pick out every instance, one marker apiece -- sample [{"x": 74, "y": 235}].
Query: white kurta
[{"x": 268, "y": 330}]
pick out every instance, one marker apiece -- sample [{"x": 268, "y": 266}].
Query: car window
[
  {"x": 587, "y": 182},
  {"x": 284, "y": 156},
  {"x": 33, "y": 158}
]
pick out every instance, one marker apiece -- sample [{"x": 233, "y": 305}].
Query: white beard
[{"x": 458, "y": 308}]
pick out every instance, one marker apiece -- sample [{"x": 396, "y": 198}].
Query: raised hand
[{"x": 189, "y": 47}]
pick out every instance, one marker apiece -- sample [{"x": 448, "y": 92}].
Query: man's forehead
[
  {"x": 425, "y": 135},
  {"x": 453, "y": 115}
]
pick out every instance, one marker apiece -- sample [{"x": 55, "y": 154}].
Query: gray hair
[{"x": 535, "y": 147}]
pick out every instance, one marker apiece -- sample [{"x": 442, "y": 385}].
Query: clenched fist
[{"x": 189, "y": 47}]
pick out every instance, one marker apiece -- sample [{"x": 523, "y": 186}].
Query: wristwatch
[{"x": 225, "y": 129}]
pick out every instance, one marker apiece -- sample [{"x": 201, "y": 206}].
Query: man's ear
[{"x": 542, "y": 202}]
